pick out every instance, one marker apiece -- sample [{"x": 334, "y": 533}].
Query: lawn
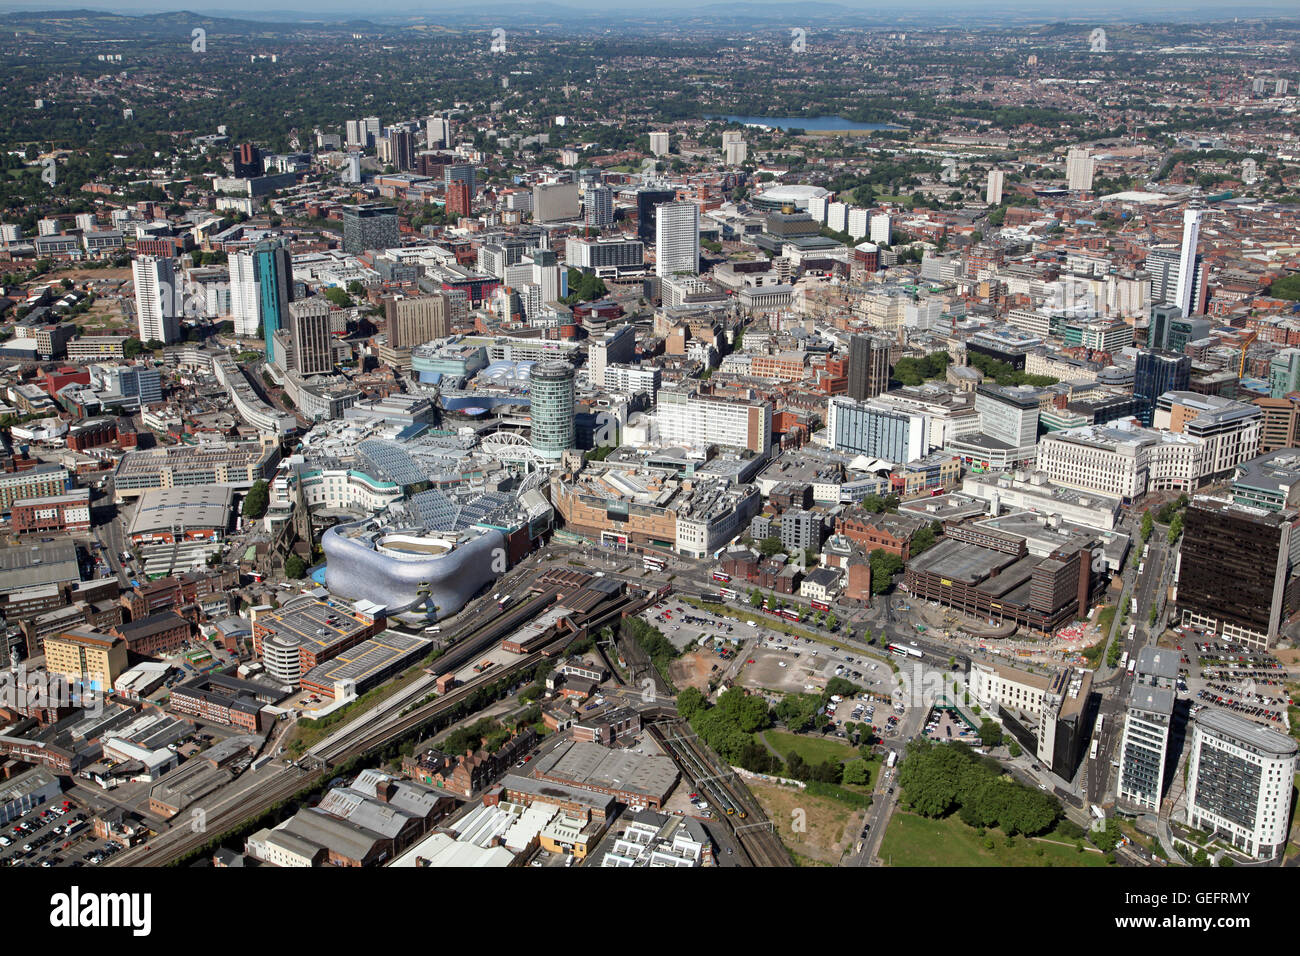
[
  {"x": 813, "y": 750},
  {"x": 912, "y": 840}
]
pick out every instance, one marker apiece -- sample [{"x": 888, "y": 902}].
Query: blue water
[
  {"x": 804, "y": 122},
  {"x": 319, "y": 575}
]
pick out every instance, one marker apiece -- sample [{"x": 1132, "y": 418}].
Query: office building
[
  {"x": 247, "y": 160},
  {"x": 1145, "y": 747},
  {"x": 1237, "y": 570},
  {"x": 993, "y": 191},
  {"x": 614, "y": 346},
  {"x": 1229, "y": 431},
  {"x": 414, "y": 320},
  {"x": 402, "y": 145},
  {"x": 437, "y": 132},
  {"x": 1079, "y": 166},
  {"x": 699, "y": 421},
  {"x": 1284, "y": 373},
  {"x": 1156, "y": 373},
  {"x": 876, "y": 430},
  {"x": 551, "y": 394},
  {"x": 156, "y": 299},
  {"x": 1239, "y": 781},
  {"x": 647, "y": 201},
  {"x": 369, "y": 226},
  {"x": 309, "y": 329},
  {"x": 556, "y": 202},
  {"x": 868, "y": 366},
  {"x": 677, "y": 239}
]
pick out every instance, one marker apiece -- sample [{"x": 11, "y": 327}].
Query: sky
[{"x": 1110, "y": 10}]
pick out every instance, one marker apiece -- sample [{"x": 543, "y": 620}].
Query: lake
[{"x": 819, "y": 123}]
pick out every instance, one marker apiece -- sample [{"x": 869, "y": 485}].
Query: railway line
[{"x": 755, "y": 834}]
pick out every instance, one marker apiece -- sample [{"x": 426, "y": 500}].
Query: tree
[
  {"x": 990, "y": 733},
  {"x": 857, "y": 773},
  {"x": 690, "y": 702},
  {"x": 295, "y": 567},
  {"x": 257, "y": 500},
  {"x": 1176, "y": 528},
  {"x": 769, "y": 546},
  {"x": 1148, "y": 525}
]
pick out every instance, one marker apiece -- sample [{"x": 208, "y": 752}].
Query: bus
[
  {"x": 728, "y": 594},
  {"x": 1132, "y": 665},
  {"x": 902, "y": 651},
  {"x": 721, "y": 576},
  {"x": 820, "y": 606},
  {"x": 1132, "y": 630},
  {"x": 651, "y": 563},
  {"x": 790, "y": 615},
  {"x": 1123, "y": 660},
  {"x": 1101, "y": 718},
  {"x": 1093, "y": 754}
]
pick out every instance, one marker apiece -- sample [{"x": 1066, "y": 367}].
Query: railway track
[{"x": 755, "y": 834}]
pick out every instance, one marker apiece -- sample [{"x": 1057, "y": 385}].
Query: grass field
[
  {"x": 811, "y": 749},
  {"x": 917, "y": 841}
]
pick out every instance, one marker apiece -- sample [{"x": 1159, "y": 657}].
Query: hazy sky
[{"x": 947, "y": 9}]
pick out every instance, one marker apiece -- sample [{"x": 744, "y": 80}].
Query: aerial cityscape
[{"x": 696, "y": 438}]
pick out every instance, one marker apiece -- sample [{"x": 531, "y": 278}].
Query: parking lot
[
  {"x": 685, "y": 625},
  {"x": 53, "y": 834},
  {"x": 1216, "y": 673}
]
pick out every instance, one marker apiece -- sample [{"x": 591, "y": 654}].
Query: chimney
[{"x": 385, "y": 791}]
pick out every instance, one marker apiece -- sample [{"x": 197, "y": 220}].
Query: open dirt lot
[{"x": 831, "y": 826}]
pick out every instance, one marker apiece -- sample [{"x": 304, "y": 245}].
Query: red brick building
[
  {"x": 69, "y": 512},
  {"x": 155, "y": 634}
]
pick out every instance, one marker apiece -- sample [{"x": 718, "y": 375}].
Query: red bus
[
  {"x": 721, "y": 576},
  {"x": 790, "y": 615},
  {"x": 820, "y": 606},
  {"x": 728, "y": 594}
]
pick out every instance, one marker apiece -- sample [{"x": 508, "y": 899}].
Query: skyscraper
[
  {"x": 437, "y": 132},
  {"x": 1155, "y": 373},
  {"x": 156, "y": 298},
  {"x": 248, "y": 161},
  {"x": 369, "y": 226},
  {"x": 993, "y": 193},
  {"x": 647, "y": 200},
  {"x": 677, "y": 239},
  {"x": 1239, "y": 780},
  {"x": 551, "y": 398},
  {"x": 659, "y": 143},
  {"x": 556, "y": 202},
  {"x": 1185, "y": 298},
  {"x": 245, "y": 297},
  {"x": 273, "y": 267},
  {"x": 309, "y": 327},
  {"x": 1079, "y": 165},
  {"x": 414, "y": 320},
  {"x": 351, "y": 174},
  {"x": 403, "y": 146},
  {"x": 868, "y": 367}
]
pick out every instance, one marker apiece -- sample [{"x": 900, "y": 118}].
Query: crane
[{"x": 1241, "y": 366}]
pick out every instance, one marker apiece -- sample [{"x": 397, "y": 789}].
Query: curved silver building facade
[{"x": 415, "y": 574}]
